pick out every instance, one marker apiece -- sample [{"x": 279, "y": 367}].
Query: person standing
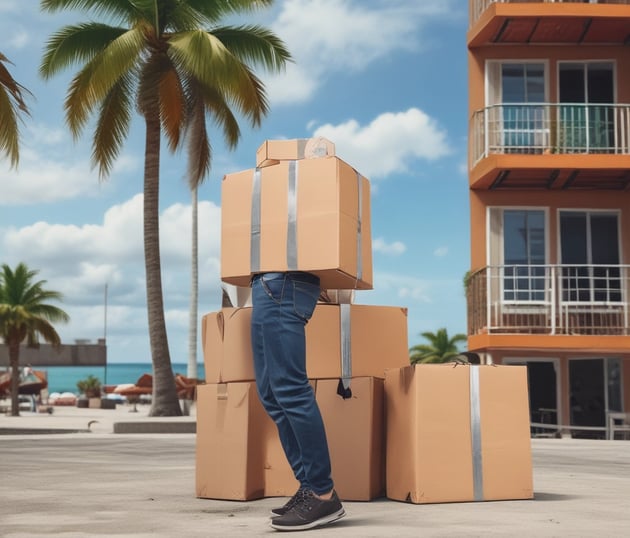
[{"x": 282, "y": 304}]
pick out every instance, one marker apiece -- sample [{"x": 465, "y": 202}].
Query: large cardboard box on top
[
  {"x": 304, "y": 215},
  {"x": 369, "y": 338},
  {"x": 457, "y": 433}
]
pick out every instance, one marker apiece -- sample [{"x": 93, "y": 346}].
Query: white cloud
[
  {"x": 79, "y": 261},
  {"x": 48, "y": 159},
  {"x": 440, "y": 252},
  {"x": 330, "y": 36},
  {"x": 389, "y": 143},
  {"x": 396, "y": 248}
]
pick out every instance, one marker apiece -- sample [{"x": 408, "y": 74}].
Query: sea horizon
[{"x": 65, "y": 378}]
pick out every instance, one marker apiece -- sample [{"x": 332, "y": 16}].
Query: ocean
[{"x": 64, "y": 378}]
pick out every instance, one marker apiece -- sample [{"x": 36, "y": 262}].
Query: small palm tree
[
  {"x": 441, "y": 348},
  {"x": 11, "y": 104},
  {"x": 173, "y": 63},
  {"x": 25, "y": 315}
]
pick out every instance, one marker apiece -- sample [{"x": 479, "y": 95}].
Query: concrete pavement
[{"x": 101, "y": 484}]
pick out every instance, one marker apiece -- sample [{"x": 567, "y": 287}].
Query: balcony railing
[
  {"x": 540, "y": 128},
  {"x": 479, "y": 6},
  {"x": 549, "y": 299}
]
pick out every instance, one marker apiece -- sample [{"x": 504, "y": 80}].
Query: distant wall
[{"x": 83, "y": 353}]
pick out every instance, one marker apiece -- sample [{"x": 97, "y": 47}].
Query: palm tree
[
  {"x": 194, "y": 289},
  {"x": 173, "y": 60},
  {"x": 25, "y": 315},
  {"x": 11, "y": 104},
  {"x": 441, "y": 348}
]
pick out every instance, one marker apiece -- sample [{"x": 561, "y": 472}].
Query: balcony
[
  {"x": 545, "y": 145},
  {"x": 549, "y": 22},
  {"x": 555, "y": 300}
]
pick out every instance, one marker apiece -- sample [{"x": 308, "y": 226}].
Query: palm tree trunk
[
  {"x": 194, "y": 291},
  {"x": 14, "y": 363},
  {"x": 164, "y": 400}
]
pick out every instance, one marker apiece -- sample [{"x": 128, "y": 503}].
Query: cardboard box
[
  {"x": 356, "y": 437},
  {"x": 227, "y": 345},
  {"x": 230, "y": 426},
  {"x": 367, "y": 338},
  {"x": 272, "y": 152},
  {"x": 377, "y": 340},
  {"x": 457, "y": 434},
  {"x": 309, "y": 215},
  {"x": 279, "y": 478}
]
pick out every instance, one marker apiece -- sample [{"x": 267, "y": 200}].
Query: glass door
[
  {"x": 586, "y": 113},
  {"x": 595, "y": 389},
  {"x": 590, "y": 257}
]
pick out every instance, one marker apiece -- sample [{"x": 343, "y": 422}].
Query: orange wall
[{"x": 552, "y": 199}]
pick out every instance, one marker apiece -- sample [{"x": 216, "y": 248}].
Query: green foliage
[
  {"x": 12, "y": 104},
  {"x": 90, "y": 386},
  {"x": 26, "y": 316},
  {"x": 171, "y": 61},
  {"x": 441, "y": 348}
]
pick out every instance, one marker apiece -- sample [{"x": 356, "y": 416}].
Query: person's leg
[
  {"x": 294, "y": 297},
  {"x": 264, "y": 309}
]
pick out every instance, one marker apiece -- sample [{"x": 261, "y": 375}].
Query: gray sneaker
[
  {"x": 310, "y": 512},
  {"x": 297, "y": 497}
]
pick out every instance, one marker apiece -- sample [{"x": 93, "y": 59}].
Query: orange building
[{"x": 549, "y": 179}]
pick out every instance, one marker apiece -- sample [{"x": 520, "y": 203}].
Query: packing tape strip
[
  {"x": 475, "y": 433},
  {"x": 254, "y": 253},
  {"x": 359, "y": 230},
  {"x": 292, "y": 255},
  {"x": 346, "y": 350}
]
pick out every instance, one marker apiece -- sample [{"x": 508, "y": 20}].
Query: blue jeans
[{"x": 282, "y": 305}]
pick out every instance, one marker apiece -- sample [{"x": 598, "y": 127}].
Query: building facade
[{"x": 549, "y": 180}]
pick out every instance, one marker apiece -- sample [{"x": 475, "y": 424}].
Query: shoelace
[
  {"x": 306, "y": 502},
  {"x": 298, "y": 498}
]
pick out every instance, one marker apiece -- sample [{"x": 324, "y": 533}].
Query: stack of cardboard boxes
[{"x": 302, "y": 208}]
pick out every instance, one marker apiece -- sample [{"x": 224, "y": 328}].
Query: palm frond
[
  {"x": 255, "y": 45},
  {"x": 112, "y": 126},
  {"x": 122, "y": 10}
]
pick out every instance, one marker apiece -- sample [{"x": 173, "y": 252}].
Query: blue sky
[{"x": 385, "y": 80}]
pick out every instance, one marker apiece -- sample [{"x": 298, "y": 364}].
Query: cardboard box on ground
[
  {"x": 238, "y": 452},
  {"x": 457, "y": 434}
]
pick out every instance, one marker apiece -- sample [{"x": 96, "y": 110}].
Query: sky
[{"x": 384, "y": 80}]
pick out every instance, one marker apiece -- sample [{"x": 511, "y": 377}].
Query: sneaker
[
  {"x": 310, "y": 512},
  {"x": 297, "y": 496}
]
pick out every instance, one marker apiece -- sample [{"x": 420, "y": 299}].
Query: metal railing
[
  {"x": 549, "y": 299},
  {"x": 540, "y": 128},
  {"x": 477, "y": 7}
]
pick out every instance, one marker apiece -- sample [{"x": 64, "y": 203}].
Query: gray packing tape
[
  {"x": 359, "y": 231},
  {"x": 346, "y": 352},
  {"x": 254, "y": 248},
  {"x": 292, "y": 261},
  {"x": 475, "y": 433},
  {"x": 301, "y": 147}
]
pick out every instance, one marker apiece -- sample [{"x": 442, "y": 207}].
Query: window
[
  {"x": 520, "y": 123},
  {"x": 519, "y": 246}
]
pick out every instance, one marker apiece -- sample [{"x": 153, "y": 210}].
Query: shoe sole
[{"x": 327, "y": 520}]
